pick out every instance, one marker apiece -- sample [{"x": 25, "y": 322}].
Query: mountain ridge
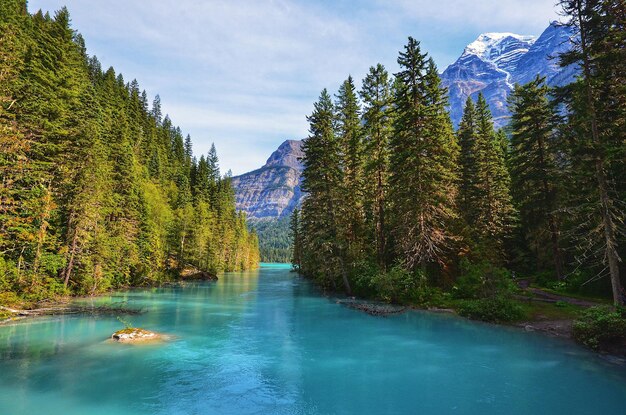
[{"x": 273, "y": 190}]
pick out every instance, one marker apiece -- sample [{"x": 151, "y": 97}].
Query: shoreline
[{"x": 555, "y": 328}]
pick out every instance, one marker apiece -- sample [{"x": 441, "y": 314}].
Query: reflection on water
[{"x": 266, "y": 342}]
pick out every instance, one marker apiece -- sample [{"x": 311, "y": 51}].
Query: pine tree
[
  {"x": 495, "y": 215},
  {"x": 596, "y": 119},
  {"x": 377, "y": 117},
  {"x": 324, "y": 248},
  {"x": 349, "y": 135},
  {"x": 423, "y": 185},
  {"x": 534, "y": 169},
  {"x": 468, "y": 175}
]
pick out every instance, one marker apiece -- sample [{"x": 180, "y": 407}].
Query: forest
[
  {"x": 403, "y": 208},
  {"x": 274, "y": 239},
  {"x": 98, "y": 189}
]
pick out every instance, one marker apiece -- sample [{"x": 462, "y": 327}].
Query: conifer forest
[
  {"x": 99, "y": 189},
  {"x": 403, "y": 208}
]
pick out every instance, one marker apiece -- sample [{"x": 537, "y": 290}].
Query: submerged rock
[
  {"x": 132, "y": 335},
  {"x": 372, "y": 308}
]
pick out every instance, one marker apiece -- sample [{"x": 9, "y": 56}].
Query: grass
[{"x": 538, "y": 310}]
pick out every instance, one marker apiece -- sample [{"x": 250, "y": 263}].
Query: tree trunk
[
  {"x": 605, "y": 200},
  {"x": 380, "y": 223},
  {"x": 70, "y": 263},
  {"x": 552, "y": 225}
]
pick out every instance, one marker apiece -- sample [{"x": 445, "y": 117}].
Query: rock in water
[{"x": 134, "y": 335}]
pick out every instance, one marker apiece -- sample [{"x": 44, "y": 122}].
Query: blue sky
[{"x": 245, "y": 73}]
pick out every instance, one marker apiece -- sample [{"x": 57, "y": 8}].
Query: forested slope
[
  {"x": 401, "y": 207},
  {"x": 98, "y": 189}
]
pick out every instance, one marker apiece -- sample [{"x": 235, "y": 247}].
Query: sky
[{"x": 244, "y": 74}]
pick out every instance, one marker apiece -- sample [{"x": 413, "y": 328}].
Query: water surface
[{"x": 266, "y": 342}]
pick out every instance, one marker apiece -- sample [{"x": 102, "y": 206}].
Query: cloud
[{"x": 245, "y": 73}]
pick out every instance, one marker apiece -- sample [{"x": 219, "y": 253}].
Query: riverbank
[
  {"x": 549, "y": 314},
  {"x": 544, "y": 312}
]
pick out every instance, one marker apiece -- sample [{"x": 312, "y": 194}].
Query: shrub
[
  {"x": 8, "y": 274},
  {"x": 492, "y": 310},
  {"x": 49, "y": 288},
  {"x": 598, "y": 326},
  {"x": 483, "y": 280},
  {"x": 363, "y": 275},
  {"x": 10, "y": 299},
  {"x": 397, "y": 285}
]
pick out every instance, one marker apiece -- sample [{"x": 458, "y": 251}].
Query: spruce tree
[
  {"x": 377, "y": 97},
  {"x": 323, "y": 242},
  {"x": 296, "y": 238},
  {"x": 535, "y": 170},
  {"x": 423, "y": 184},
  {"x": 596, "y": 105},
  {"x": 495, "y": 215},
  {"x": 349, "y": 134},
  {"x": 468, "y": 174}
]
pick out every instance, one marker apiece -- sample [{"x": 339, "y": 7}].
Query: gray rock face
[
  {"x": 273, "y": 191},
  {"x": 495, "y": 62}
]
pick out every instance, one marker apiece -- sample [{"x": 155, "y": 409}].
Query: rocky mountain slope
[
  {"x": 272, "y": 191},
  {"x": 495, "y": 62}
]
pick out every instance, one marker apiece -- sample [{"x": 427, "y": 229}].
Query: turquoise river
[{"x": 267, "y": 342}]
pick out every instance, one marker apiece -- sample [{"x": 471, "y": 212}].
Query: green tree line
[
  {"x": 98, "y": 189},
  {"x": 400, "y": 205},
  {"x": 274, "y": 239}
]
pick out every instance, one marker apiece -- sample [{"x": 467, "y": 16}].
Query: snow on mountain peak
[{"x": 489, "y": 46}]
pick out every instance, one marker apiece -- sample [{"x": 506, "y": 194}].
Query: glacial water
[{"x": 266, "y": 342}]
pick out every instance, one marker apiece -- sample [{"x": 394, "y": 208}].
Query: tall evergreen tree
[
  {"x": 349, "y": 135},
  {"x": 468, "y": 161},
  {"x": 296, "y": 238},
  {"x": 495, "y": 215},
  {"x": 596, "y": 119},
  {"x": 322, "y": 179},
  {"x": 423, "y": 185},
  {"x": 377, "y": 97},
  {"x": 534, "y": 170}
]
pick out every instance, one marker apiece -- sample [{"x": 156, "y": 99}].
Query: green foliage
[
  {"x": 126, "y": 323},
  {"x": 274, "y": 240},
  {"x": 377, "y": 119},
  {"x": 296, "y": 238},
  {"x": 484, "y": 195},
  {"x": 598, "y": 326},
  {"x": 390, "y": 183},
  {"x": 423, "y": 164},
  {"x": 492, "y": 310},
  {"x": 10, "y": 299},
  {"x": 593, "y": 138},
  {"x": 535, "y": 172},
  {"x": 98, "y": 191},
  {"x": 482, "y": 280},
  {"x": 397, "y": 285}
]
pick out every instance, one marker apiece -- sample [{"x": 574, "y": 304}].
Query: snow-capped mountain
[{"x": 495, "y": 62}]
